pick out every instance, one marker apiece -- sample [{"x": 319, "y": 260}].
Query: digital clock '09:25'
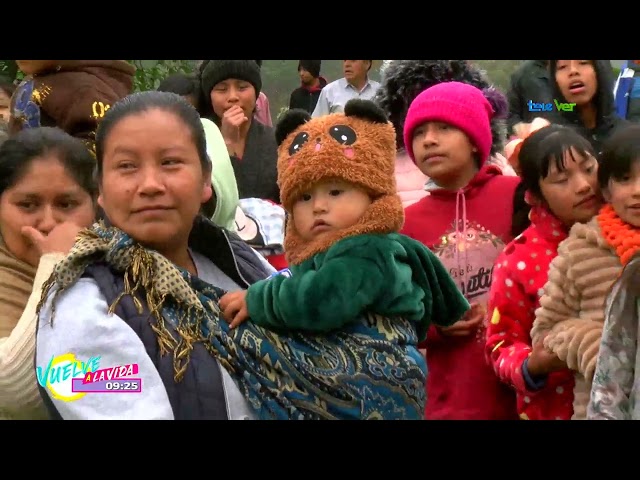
[{"x": 131, "y": 385}]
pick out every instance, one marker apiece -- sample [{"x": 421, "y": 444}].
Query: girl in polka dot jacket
[{"x": 559, "y": 176}]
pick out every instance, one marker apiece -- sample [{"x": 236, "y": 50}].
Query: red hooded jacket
[{"x": 467, "y": 230}]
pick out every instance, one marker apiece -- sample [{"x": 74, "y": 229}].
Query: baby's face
[
  {"x": 31, "y": 67},
  {"x": 329, "y": 206}
]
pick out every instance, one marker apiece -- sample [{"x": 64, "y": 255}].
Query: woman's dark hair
[
  {"x": 180, "y": 84},
  {"x": 619, "y": 152},
  {"x": 538, "y": 151},
  {"x": 141, "y": 102},
  {"x": 17, "y": 152},
  {"x": 183, "y": 85}
]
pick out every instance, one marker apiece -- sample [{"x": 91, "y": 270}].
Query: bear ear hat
[
  {"x": 291, "y": 120},
  {"x": 366, "y": 110}
]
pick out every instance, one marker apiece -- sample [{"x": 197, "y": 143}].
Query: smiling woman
[
  {"x": 133, "y": 284},
  {"x": 154, "y": 200}
]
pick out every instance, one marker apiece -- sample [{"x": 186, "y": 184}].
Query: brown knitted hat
[{"x": 357, "y": 146}]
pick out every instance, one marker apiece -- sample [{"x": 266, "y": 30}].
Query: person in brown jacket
[{"x": 73, "y": 95}]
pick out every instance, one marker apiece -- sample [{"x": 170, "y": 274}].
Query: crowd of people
[{"x": 426, "y": 247}]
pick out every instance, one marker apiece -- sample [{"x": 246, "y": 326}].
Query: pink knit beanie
[{"x": 458, "y": 104}]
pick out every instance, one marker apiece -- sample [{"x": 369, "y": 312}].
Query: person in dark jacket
[
  {"x": 529, "y": 83},
  {"x": 230, "y": 91},
  {"x": 588, "y": 85},
  {"x": 73, "y": 95},
  {"x": 306, "y": 96}
]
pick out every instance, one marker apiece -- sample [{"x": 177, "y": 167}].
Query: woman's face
[
  {"x": 44, "y": 196},
  {"x": 231, "y": 92},
  {"x": 153, "y": 184},
  {"x": 576, "y": 80}
]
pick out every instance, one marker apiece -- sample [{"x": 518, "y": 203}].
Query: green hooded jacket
[
  {"x": 391, "y": 275},
  {"x": 223, "y": 178}
]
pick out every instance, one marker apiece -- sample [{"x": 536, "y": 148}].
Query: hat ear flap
[
  {"x": 291, "y": 120},
  {"x": 365, "y": 110}
]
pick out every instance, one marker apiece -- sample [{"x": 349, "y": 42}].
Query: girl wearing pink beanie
[{"x": 466, "y": 220}]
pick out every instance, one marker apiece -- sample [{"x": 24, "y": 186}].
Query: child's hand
[
  {"x": 469, "y": 323},
  {"x": 234, "y": 308},
  {"x": 542, "y": 361}
]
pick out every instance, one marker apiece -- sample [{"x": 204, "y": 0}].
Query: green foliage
[
  {"x": 498, "y": 71},
  {"x": 282, "y": 111},
  {"x": 149, "y": 73},
  {"x": 8, "y": 70}
]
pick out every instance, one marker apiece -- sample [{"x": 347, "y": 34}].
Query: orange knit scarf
[{"x": 623, "y": 238}]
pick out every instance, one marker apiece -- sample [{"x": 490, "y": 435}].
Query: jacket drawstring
[{"x": 461, "y": 232}]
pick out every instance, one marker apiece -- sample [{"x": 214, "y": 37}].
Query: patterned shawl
[{"x": 371, "y": 370}]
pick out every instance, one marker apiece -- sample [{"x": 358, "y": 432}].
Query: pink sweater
[
  {"x": 263, "y": 112},
  {"x": 410, "y": 180}
]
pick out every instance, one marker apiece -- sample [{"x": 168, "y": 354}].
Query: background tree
[
  {"x": 149, "y": 73},
  {"x": 8, "y": 70},
  {"x": 279, "y": 77}
]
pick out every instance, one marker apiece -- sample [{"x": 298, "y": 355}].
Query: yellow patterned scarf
[{"x": 168, "y": 290}]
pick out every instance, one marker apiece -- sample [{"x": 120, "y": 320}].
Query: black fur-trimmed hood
[{"x": 403, "y": 80}]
